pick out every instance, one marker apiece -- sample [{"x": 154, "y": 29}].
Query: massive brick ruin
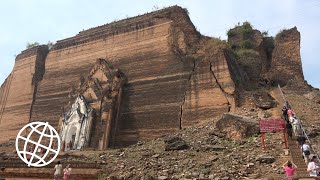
[
  {"x": 286, "y": 59},
  {"x": 175, "y": 77}
]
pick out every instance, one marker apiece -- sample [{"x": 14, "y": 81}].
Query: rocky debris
[
  {"x": 314, "y": 95},
  {"x": 264, "y": 100},
  {"x": 237, "y": 126},
  {"x": 175, "y": 143},
  {"x": 6, "y": 156},
  {"x": 9, "y": 143},
  {"x": 210, "y": 155},
  {"x": 74, "y": 156},
  {"x": 3, "y": 156},
  {"x": 217, "y": 133},
  {"x": 313, "y": 133},
  {"x": 213, "y": 148},
  {"x": 266, "y": 159}
]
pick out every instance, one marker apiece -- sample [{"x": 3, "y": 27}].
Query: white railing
[{"x": 303, "y": 131}]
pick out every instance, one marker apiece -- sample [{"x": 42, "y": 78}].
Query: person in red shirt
[{"x": 289, "y": 170}]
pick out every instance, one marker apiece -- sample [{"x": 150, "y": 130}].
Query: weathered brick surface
[
  {"x": 286, "y": 59},
  {"x": 210, "y": 91},
  {"x": 18, "y": 91},
  {"x": 147, "y": 56},
  {"x": 170, "y": 84}
]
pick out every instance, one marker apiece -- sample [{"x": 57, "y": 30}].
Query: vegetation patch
[
  {"x": 231, "y": 32},
  {"x": 31, "y": 45},
  {"x": 246, "y": 44},
  {"x": 268, "y": 44},
  {"x": 244, "y": 52},
  {"x": 280, "y": 33},
  {"x": 265, "y": 34},
  {"x": 246, "y": 30}
]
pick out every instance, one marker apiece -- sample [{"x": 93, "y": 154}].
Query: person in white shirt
[
  {"x": 296, "y": 125},
  {"x": 305, "y": 148},
  {"x": 58, "y": 171},
  {"x": 313, "y": 167}
]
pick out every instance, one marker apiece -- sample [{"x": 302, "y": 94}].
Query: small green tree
[
  {"x": 265, "y": 33},
  {"x": 231, "y": 32},
  {"x": 280, "y": 33},
  {"x": 155, "y": 8},
  {"x": 246, "y": 44},
  {"x": 30, "y": 45},
  {"x": 247, "y": 25},
  {"x": 246, "y": 30}
]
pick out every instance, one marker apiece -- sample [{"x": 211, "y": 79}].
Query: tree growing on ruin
[{"x": 30, "y": 45}]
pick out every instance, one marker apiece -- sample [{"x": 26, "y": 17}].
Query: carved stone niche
[{"x": 90, "y": 119}]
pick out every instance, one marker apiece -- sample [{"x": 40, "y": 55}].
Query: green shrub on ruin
[
  {"x": 246, "y": 44},
  {"x": 265, "y": 33},
  {"x": 246, "y": 30},
  {"x": 244, "y": 52},
  {"x": 280, "y": 32},
  {"x": 31, "y": 45},
  {"x": 268, "y": 43},
  {"x": 231, "y": 32}
]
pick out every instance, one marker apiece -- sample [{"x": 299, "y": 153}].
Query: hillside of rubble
[{"x": 188, "y": 106}]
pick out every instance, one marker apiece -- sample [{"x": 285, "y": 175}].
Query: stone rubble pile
[{"x": 196, "y": 153}]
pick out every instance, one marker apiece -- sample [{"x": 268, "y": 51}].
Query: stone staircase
[
  {"x": 296, "y": 157},
  {"x": 16, "y": 169},
  {"x": 295, "y": 153}
]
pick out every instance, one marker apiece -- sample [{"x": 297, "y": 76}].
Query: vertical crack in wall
[
  {"x": 35, "y": 90},
  {"x": 222, "y": 90},
  {"x": 185, "y": 93},
  {"x": 41, "y": 54}
]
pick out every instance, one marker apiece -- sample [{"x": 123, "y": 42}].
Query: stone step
[{"x": 297, "y": 158}]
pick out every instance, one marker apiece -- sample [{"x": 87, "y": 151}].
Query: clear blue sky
[{"x": 25, "y": 21}]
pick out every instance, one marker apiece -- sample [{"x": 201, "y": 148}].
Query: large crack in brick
[
  {"x": 220, "y": 87},
  {"x": 42, "y": 53},
  {"x": 185, "y": 94}
]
